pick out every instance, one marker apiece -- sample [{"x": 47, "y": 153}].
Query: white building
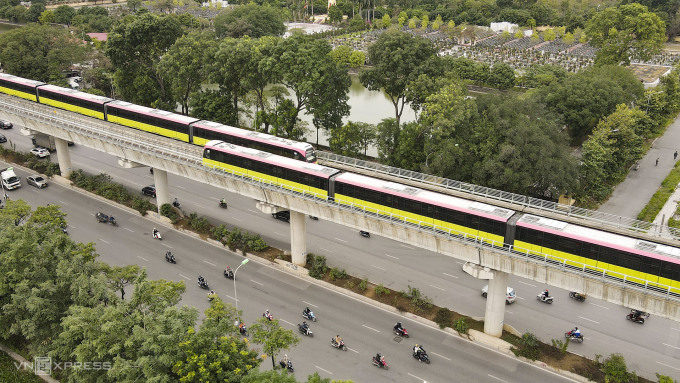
[
  {"x": 504, "y": 27},
  {"x": 216, "y": 4}
]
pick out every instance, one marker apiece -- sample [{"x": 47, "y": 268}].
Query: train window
[
  {"x": 670, "y": 270},
  {"x": 206, "y": 153},
  {"x": 570, "y": 246}
]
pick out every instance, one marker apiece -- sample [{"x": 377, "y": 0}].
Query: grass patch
[
  {"x": 661, "y": 196},
  {"x": 9, "y": 372}
]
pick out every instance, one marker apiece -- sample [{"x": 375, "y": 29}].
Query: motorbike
[
  {"x": 640, "y": 318},
  {"x": 637, "y": 166},
  {"x": 380, "y": 363},
  {"x": 243, "y": 330},
  {"x": 543, "y": 298},
  {"x": 175, "y": 203},
  {"x": 571, "y": 336},
  {"x": 157, "y": 235},
  {"x": 310, "y": 315},
  {"x": 577, "y": 296},
  {"x": 268, "y": 316},
  {"x": 340, "y": 346},
  {"x": 401, "y": 332},
  {"x": 422, "y": 357},
  {"x": 288, "y": 365},
  {"x": 223, "y": 205},
  {"x": 228, "y": 273},
  {"x": 305, "y": 330},
  {"x": 63, "y": 229},
  {"x": 203, "y": 284},
  {"x": 211, "y": 296},
  {"x": 103, "y": 218},
  {"x": 365, "y": 234},
  {"x": 170, "y": 257}
]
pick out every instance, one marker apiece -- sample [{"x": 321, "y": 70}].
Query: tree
[
  {"x": 119, "y": 277},
  {"x": 615, "y": 370},
  {"x": 334, "y": 14},
  {"x": 39, "y": 52},
  {"x": 34, "y": 11},
  {"x": 272, "y": 337},
  {"x": 250, "y": 20},
  {"x": 397, "y": 58},
  {"x": 437, "y": 23},
  {"x": 425, "y": 22},
  {"x": 665, "y": 379},
  {"x": 624, "y": 33},
  {"x": 135, "y": 48},
  {"x": 549, "y": 35},
  {"x": 502, "y": 76},
  {"x": 134, "y": 5},
  {"x": 64, "y": 14},
  {"x": 271, "y": 376},
  {"x": 186, "y": 65},
  {"x": 386, "y": 21},
  {"x": 353, "y": 138},
  {"x": 47, "y": 17}
]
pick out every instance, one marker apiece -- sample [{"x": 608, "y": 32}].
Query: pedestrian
[
  {"x": 657, "y": 162},
  {"x": 675, "y": 155}
]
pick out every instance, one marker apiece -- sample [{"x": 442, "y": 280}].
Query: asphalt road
[{"x": 649, "y": 348}]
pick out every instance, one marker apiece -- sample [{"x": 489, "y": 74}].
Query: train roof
[
  {"x": 252, "y": 135},
  {"x": 444, "y": 200},
  {"x": 599, "y": 237},
  {"x": 76, "y": 94},
  {"x": 305, "y": 167},
  {"x": 164, "y": 114},
  {"x": 20, "y": 80}
]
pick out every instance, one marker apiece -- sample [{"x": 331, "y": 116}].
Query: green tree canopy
[
  {"x": 250, "y": 20},
  {"x": 272, "y": 337}
]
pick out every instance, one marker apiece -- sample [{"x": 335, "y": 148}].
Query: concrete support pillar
[
  {"x": 298, "y": 240},
  {"x": 63, "y": 157},
  {"x": 495, "y": 304},
  {"x": 160, "y": 179}
]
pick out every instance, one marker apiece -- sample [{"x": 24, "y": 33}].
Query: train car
[
  {"x": 447, "y": 213},
  {"x": 150, "y": 120},
  {"x": 299, "y": 176},
  {"x": 87, "y": 104},
  {"x": 641, "y": 262},
  {"x": 205, "y": 131},
  {"x": 20, "y": 87}
]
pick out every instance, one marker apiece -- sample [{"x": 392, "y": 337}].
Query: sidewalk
[{"x": 633, "y": 194}]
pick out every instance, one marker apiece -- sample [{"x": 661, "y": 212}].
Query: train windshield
[{"x": 311, "y": 155}]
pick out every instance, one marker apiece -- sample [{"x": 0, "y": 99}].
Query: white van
[{"x": 509, "y": 297}]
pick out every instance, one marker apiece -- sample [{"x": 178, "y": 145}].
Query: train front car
[
  {"x": 19, "y": 87},
  {"x": 205, "y": 131},
  {"x": 161, "y": 122},
  {"x": 298, "y": 176},
  {"x": 72, "y": 100},
  {"x": 445, "y": 213},
  {"x": 619, "y": 257}
]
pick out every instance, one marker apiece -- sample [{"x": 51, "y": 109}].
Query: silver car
[{"x": 37, "y": 181}]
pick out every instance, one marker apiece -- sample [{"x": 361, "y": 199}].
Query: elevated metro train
[
  {"x": 601, "y": 253},
  {"x": 163, "y": 123}
]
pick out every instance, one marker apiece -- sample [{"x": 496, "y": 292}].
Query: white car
[
  {"x": 40, "y": 152},
  {"x": 509, "y": 297},
  {"x": 37, "y": 181}
]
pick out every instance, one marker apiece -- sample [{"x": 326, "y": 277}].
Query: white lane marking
[
  {"x": 370, "y": 328},
  {"x": 391, "y": 256},
  {"x": 408, "y": 247},
  {"x": 168, "y": 246},
  {"x": 441, "y": 356},
  {"x": 211, "y": 264},
  {"x": 279, "y": 234},
  {"x": 230, "y": 297},
  {"x": 341, "y": 240},
  {"x": 518, "y": 297},
  {"x": 257, "y": 282},
  {"x": 449, "y": 275},
  {"x": 131, "y": 231},
  {"x": 63, "y": 203},
  {"x": 181, "y": 187},
  {"x": 676, "y": 329},
  {"x": 285, "y": 321},
  {"x": 252, "y": 211},
  {"x": 663, "y": 364},
  {"x": 326, "y": 371},
  {"x": 353, "y": 350},
  {"x": 590, "y": 320},
  {"x": 528, "y": 284},
  {"x": 379, "y": 268},
  {"x": 309, "y": 304},
  {"x": 326, "y": 250},
  {"x": 71, "y": 226},
  {"x": 187, "y": 278},
  {"x": 458, "y": 262},
  {"x": 606, "y": 308},
  {"x": 509, "y": 312},
  {"x": 215, "y": 198},
  {"x": 438, "y": 288},
  {"x": 665, "y": 344},
  {"x": 142, "y": 258},
  {"x": 237, "y": 219},
  {"x": 498, "y": 378},
  {"x": 421, "y": 379},
  {"x": 103, "y": 240}
]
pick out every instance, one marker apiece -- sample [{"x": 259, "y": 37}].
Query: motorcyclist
[
  {"x": 306, "y": 311},
  {"x": 305, "y": 327},
  {"x": 201, "y": 280},
  {"x": 576, "y": 332},
  {"x": 378, "y": 359},
  {"x": 241, "y": 327},
  {"x": 267, "y": 314},
  {"x": 418, "y": 350},
  {"x": 636, "y": 314},
  {"x": 338, "y": 340},
  {"x": 155, "y": 232},
  {"x": 398, "y": 328},
  {"x": 175, "y": 203},
  {"x": 111, "y": 219},
  {"x": 546, "y": 294},
  {"x": 229, "y": 272},
  {"x": 211, "y": 295},
  {"x": 223, "y": 202}
]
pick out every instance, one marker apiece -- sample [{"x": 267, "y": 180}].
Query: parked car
[
  {"x": 4, "y": 124},
  {"x": 149, "y": 190},
  {"x": 509, "y": 297},
  {"x": 40, "y": 152},
  {"x": 282, "y": 215},
  {"x": 37, "y": 181},
  {"x": 3, "y": 138}
]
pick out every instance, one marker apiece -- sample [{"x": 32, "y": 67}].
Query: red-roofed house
[{"x": 99, "y": 36}]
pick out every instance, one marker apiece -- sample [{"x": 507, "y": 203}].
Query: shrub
[
  {"x": 461, "y": 326},
  {"x": 235, "y": 239},
  {"x": 168, "y": 211},
  {"x": 318, "y": 267},
  {"x": 363, "y": 285},
  {"x": 338, "y": 274},
  {"x": 615, "y": 370},
  {"x": 417, "y": 299},
  {"x": 561, "y": 345},
  {"x": 142, "y": 205},
  {"x": 665, "y": 379},
  {"x": 200, "y": 224},
  {"x": 349, "y": 285},
  {"x": 256, "y": 243},
  {"x": 219, "y": 233},
  {"x": 528, "y": 346},
  {"x": 444, "y": 318},
  {"x": 381, "y": 290}
]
